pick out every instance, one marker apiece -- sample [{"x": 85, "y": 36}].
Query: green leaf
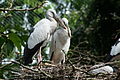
[
  {"x": 2, "y": 29},
  {"x": 1, "y": 41},
  {"x": 24, "y": 37},
  {"x": 16, "y": 40},
  {"x": 7, "y": 49}
]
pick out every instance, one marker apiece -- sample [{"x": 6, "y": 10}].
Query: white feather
[
  {"x": 102, "y": 70},
  {"x": 60, "y": 42},
  {"x": 40, "y": 33},
  {"x": 115, "y": 49},
  {"x": 43, "y": 29}
]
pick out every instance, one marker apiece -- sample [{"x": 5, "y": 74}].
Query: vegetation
[{"x": 95, "y": 26}]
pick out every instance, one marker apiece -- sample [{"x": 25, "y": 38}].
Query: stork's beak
[
  {"x": 69, "y": 32},
  {"x": 59, "y": 20}
]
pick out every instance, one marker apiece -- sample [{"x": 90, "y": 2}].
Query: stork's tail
[
  {"x": 27, "y": 57},
  {"x": 29, "y": 53}
]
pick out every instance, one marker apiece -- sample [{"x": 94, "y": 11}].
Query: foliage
[
  {"x": 104, "y": 18},
  {"x": 15, "y": 28},
  {"x": 15, "y": 25}
]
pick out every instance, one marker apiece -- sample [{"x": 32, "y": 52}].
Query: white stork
[
  {"x": 99, "y": 69},
  {"x": 40, "y": 35},
  {"x": 60, "y": 44},
  {"x": 115, "y": 52}
]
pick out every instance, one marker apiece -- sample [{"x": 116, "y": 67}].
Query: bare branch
[
  {"x": 5, "y": 65},
  {"x": 41, "y": 71},
  {"x": 30, "y": 9},
  {"x": 103, "y": 64}
]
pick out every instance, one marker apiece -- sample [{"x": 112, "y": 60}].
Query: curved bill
[
  {"x": 59, "y": 20},
  {"x": 69, "y": 32},
  {"x": 68, "y": 29}
]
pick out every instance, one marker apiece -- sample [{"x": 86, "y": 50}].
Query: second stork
[{"x": 60, "y": 44}]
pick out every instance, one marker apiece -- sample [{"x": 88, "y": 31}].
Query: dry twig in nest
[{"x": 37, "y": 71}]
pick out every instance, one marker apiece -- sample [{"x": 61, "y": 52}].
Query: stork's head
[
  {"x": 65, "y": 21},
  {"x": 52, "y": 14}
]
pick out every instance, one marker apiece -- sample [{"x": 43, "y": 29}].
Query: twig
[
  {"x": 15, "y": 62},
  {"x": 79, "y": 44},
  {"x": 5, "y": 65},
  {"x": 9, "y": 63},
  {"x": 86, "y": 54},
  {"x": 30, "y": 9},
  {"x": 45, "y": 74},
  {"x": 41, "y": 71},
  {"x": 103, "y": 64},
  {"x": 17, "y": 73},
  {"x": 113, "y": 62},
  {"x": 74, "y": 68}
]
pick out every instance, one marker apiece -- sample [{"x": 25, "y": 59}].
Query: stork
[
  {"x": 40, "y": 35},
  {"x": 102, "y": 69},
  {"x": 115, "y": 52},
  {"x": 60, "y": 44}
]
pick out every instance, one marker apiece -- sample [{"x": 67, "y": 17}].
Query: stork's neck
[{"x": 53, "y": 25}]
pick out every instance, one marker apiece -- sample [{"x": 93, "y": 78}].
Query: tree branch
[
  {"x": 103, "y": 64},
  {"x": 5, "y": 65},
  {"x": 41, "y": 71},
  {"x": 30, "y": 9}
]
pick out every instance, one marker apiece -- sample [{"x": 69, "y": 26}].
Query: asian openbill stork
[
  {"x": 40, "y": 35},
  {"x": 60, "y": 44},
  {"x": 115, "y": 52}
]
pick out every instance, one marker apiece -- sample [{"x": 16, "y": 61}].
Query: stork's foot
[
  {"x": 40, "y": 64},
  {"x": 46, "y": 63},
  {"x": 49, "y": 64}
]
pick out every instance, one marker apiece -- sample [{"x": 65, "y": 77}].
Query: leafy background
[{"x": 95, "y": 26}]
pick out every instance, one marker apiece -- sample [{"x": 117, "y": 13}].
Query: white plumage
[
  {"x": 101, "y": 70},
  {"x": 40, "y": 35},
  {"x": 60, "y": 44},
  {"x": 115, "y": 48},
  {"x": 41, "y": 29}
]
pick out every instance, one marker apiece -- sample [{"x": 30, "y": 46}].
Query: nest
[
  {"x": 60, "y": 72},
  {"x": 76, "y": 67}
]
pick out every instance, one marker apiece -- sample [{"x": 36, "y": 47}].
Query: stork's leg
[{"x": 39, "y": 57}]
